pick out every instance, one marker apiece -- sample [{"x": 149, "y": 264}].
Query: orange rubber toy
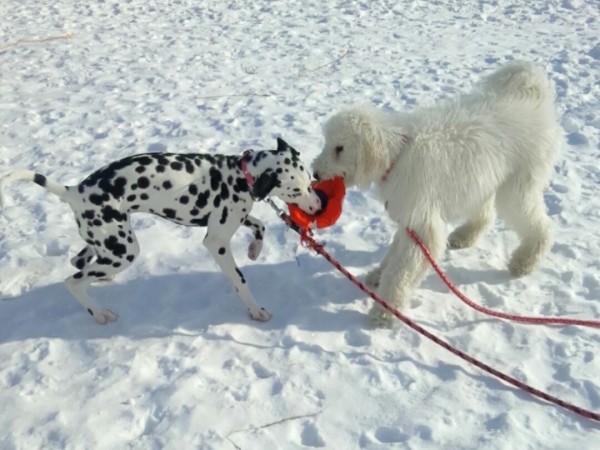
[{"x": 331, "y": 192}]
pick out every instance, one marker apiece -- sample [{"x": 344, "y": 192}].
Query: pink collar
[
  {"x": 385, "y": 176},
  {"x": 244, "y": 167},
  {"x": 387, "y": 172}
]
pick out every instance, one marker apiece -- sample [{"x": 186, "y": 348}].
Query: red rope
[
  {"x": 515, "y": 318},
  {"x": 320, "y": 249}
]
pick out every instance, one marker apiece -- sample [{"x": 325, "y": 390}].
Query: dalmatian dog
[{"x": 193, "y": 189}]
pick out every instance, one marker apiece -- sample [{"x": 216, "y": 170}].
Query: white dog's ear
[{"x": 373, "y": 156}]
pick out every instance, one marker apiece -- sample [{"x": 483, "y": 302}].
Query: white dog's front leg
[
  {"x": 374, "y": 276},
  {"x": 405, "y": 268}
]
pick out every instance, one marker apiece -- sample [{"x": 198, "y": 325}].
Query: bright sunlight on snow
[{"x": 83, "y": 83}]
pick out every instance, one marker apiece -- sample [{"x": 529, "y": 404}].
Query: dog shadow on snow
[
  {"x": 307, "y": 293},
  {"x": 297, "y": 292}
]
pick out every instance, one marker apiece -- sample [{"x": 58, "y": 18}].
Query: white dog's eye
[{"x": 338, "y": 150}]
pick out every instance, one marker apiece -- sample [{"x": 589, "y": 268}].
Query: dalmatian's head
[{"x": 286, "y": 178}]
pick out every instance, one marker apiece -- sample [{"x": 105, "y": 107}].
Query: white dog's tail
[
  {"x": 37, "y": 178},
  {"x": 519, "y": 79}
]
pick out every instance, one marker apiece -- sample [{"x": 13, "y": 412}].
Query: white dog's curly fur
[{"x": 461, "y": 160}]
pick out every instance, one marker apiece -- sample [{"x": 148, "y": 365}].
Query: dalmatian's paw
[
  {"x": 260, "y": 315},
  {"x": 103, "y": 316},
  {"x": 254, "y": 249}
]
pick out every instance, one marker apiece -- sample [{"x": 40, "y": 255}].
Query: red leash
[
  {"x": 320, "y": 249},
  {"x": 490, "y": 312}
]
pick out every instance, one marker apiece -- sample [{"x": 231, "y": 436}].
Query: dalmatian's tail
[{"x": 37, "y": 178}]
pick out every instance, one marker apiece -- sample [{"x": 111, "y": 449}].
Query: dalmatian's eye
[{"x": 338, "y": 150}]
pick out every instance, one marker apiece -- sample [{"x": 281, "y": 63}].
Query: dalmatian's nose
[{"x": 323, "y": 198}]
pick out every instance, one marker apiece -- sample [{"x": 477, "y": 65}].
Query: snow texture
[{"x": 184, "y": 367}]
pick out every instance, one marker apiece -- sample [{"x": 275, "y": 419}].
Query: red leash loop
[
  {"x": 490, "y": 312},
  {"x": 309, "y": 241}
]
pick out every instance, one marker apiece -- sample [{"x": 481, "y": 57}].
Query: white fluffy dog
[{"x": 461, "y": 160}]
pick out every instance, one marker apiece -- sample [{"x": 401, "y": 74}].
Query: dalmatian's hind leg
[
  {"x": 113, "y": 257},
  {"x": 84, "y": 258}
]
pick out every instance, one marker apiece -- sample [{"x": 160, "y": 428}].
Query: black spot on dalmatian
[
  {"x": 144, "y": 160},
  {"x": 140, "y": 169},
  {"x": 112, "y": 243},
  {"x": 217, "y": 201},
  {"x": 93, "y": 273},
  {"x": 104, "y": 261},
  {"x": 202, "y": 199},
  {"x": 224, "y": 215},
  {"x": 169, "y": 213},
  {"x": 160, "y": 169},
  {"x": 109, "y": 214},
  {"x": 98, "y": 199},
  {"x": 80, "y": 264},
  {"x": 175, "y": 165},
  {"x": 184, "y": 199},
  {"x": 167, "y": 184},
  {"x": 241, "y": 185},
  {"x": 130, "y": 258},
  {"x": 88, "y": 214},
  {"x": 202, "y": 221},
  {"x": 222, "y": 251},
  {"x": 193, "y": 189},
  {"x": 143, "y": 182},
  {"x": 224, "y": 191},
  {"x": 144, "y": 196},
  {"x": 40, "y": 180},
  {"x": 265, "y": 184},
  {"x": 241, "y": 275},
  {"x": 194, "y": 212},
  {"x": 215, "y": 178},
  {"x": 131, "y": 198}
]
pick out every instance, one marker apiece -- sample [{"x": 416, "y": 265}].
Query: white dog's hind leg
[
  {"x": 522, "y": 206},
  {"x": 466, "y": 235},
  {"x": 406, "y": 267}
]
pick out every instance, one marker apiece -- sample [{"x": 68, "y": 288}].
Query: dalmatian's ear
[
  {"x": 282, "y": 146},
  {"x": 265, "y": 184}
]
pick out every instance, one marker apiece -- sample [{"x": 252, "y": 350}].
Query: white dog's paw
[
  {"x": 380, "y": 318},
  {"x": 261, "y": 315},
  {"x": 372, "y": 278},
  {"x": 254, "y": 249},
  {"x": 103, "y": 316},
  {"x": 462, "y": 237},
  {"x": 519, "y": 266}
]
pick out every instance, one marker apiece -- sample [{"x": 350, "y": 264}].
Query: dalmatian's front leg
[
  {"x": 258, "y": 230},
  {"x": 217, "y": 241}
]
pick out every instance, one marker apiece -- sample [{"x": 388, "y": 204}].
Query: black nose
[{"x": 316, "y": 176}]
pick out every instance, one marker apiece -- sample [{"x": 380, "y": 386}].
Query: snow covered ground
[{"x": 184, "y": 367}]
